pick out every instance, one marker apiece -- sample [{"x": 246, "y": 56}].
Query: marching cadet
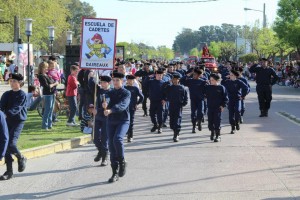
[
  {"x": 177, "y": 97},
  {"x": 100, "y": 133},
  {"x": 13, "y": 104},
  {"x": 217, "y": 100},
  {"x": 266, "y": 77},
  {"x": 196, "y": 87},
  {"x": 237, "y": 90},
  {"x": 136, "y": 98},
  {"x": 4, "y": 136},
  {"x": 144, "y": 73},
  {"x": 155, "y": 87},
  {"x": 117, "y": 112},
  {"x": 243, "y": 107}
]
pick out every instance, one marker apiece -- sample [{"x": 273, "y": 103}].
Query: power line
[{"x": 160, "y": 2}]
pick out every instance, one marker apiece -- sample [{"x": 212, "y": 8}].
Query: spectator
[
  {"x": 71, "y": 94},
  {"x": 86, "y": 124},
  {"x": 11, "y": 67},
  {"x": 48, "y": 87},
  {"x": 33, "y": 98},
  {"x": 52, "y": 71}
]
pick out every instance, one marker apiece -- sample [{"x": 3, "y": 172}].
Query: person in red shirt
[{"x": 71, "y": 94}]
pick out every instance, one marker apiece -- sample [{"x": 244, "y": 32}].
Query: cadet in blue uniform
[
  {"x": 243, "y": 106},
  {"x": 144, "y": 73},
  {"x": 13, "y": 104},
  {"x": 117, "y": 112},
  {"x": 237, "y": 90},
  {"x": 196, "y": 87},
  {"x": 265, "y": 78},
  {"x": 217, "y": 100},
  {"x": 100, "y": 134},
  {"x": 177, "y": 97},
  {"x": 155, "y": 87},
  {"x": 3, "y": 135},
  {"x": 136, "y": 98}
]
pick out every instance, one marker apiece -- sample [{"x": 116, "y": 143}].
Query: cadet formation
[{"x": 164, "y": 87}]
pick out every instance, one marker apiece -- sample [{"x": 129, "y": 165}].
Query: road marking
[{"x": 289, "y": 117}]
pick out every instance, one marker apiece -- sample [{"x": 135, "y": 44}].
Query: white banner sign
[{"x": 98, "y": 42}]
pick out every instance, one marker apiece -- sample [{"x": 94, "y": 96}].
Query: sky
[{"x": 159, "y": 24}]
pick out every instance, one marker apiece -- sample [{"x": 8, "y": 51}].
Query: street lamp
[
  {"x": 51, "y": 37},
  {"x": 69, "y": 37},
  {"x": 28, "y": 32},
  {"x": 262, "y": 11}
]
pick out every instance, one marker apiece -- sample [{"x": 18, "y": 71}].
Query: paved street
[{"x": 262, "y": 161}]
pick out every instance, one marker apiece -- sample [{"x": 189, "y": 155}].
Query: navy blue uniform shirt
[
  {"x": 235, "y": 89},
  {"x": 196, "y": 87},
  {"x": 264, "y": 76},
  {"x": 176, "y": 95},
  {"x": 3, "y": 135},
  {"x": 136, "y": 97},
  {"x": 119, "y": 100},
  {"x": 216, "y": 96},
  {"x": 155, "y": 88},
  {"x": 14, "y": 105}
]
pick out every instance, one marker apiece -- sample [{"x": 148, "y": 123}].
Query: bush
[{"x": 250, "y": 57}]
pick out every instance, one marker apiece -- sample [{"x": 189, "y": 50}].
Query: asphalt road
[{"x": 261, "y": 161}]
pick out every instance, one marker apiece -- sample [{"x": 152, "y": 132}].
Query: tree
[
  {"x": 266, "y": 45},
  {"x": 287, "y": 23},
  {"x": 194, "y": 52},
  {"x": 250, "y": 57},
  {"x": 44, "y": 13},
  {"x": 215, "y": 49}
]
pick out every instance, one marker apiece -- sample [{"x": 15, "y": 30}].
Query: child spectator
[
  {"x": 71, "y": 94},
  {"x": 33, "y": 98},
  {"x": 53, "y": 72},
  {"x": 86, "y": 124}
]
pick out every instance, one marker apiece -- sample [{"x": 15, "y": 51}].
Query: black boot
[
  {"x": 241, "y": 120},
  {"x": 199, "y": 125},
  {"x": 194, "y": 127},
  {"x": 262, "y": 113},
  {"x": 218, "y": 136},
  {"x": 123, "y": 166},
  {"x": 203, "y": 119},
  {"x": 115, "y": 176},
  {"x": 159, "y": 131},
  {"x": 104, "y": 161},
  {"x": 237, "y": 126},
  {"x": 212, "y": 133},
  {"x": 266, "y": 113},
  {"x": 175, "y": 136},
  {"x": 145, "y": 113},
  {"x": 9, "y": 172},
  {"x": 154, "y": 128},
  {"x": 129, "y": 136},
  {"x": 22, "y": 163},
  {"x": 98, "y": 156},
  {"x": 232, "y": 129}
]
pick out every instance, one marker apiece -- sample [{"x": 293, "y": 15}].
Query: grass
[{"x": 34, "y": 136}]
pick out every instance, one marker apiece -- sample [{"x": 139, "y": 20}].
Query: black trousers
[{"x": 264, "y": 94}]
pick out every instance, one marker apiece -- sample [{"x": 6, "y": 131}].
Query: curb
[{"x": 54, "y": 147}]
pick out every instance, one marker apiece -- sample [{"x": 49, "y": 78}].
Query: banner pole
[{"x": 95, "y": 101}]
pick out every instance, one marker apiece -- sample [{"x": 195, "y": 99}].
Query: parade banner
[{"x": 98, "y": 42}]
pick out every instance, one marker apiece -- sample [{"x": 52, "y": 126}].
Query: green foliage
[
  {"x": 62, "y": 14},
  {"x": 138, "y": 51},
  {"x": 287, "y": 24},
  {"x": 215, "y": 49},
  {"x": 194, "y": 52},
  {"x": 250, "y": 57},
  {"x": 266, "y": 45}
]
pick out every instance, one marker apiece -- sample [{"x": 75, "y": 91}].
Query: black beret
[
  {"x": 162, "y": 69},
  {"x": 215, "y": 76},
  {"x": 171, "y": 65},
  {"x": 176, "y": 75},
  {"x": 234, "y": 72},
  {"x": 105, "y": 78},
  {"x": 159, "y": 72},
  {"x": 264, "y": 59},
  {"x": 118, "y": 75},
  {"x": 147, "y": 63},
  {"x": 18, "y": 77},
  {"x": 198, "y": 71},
  {"x": 130, "y": 77}
]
